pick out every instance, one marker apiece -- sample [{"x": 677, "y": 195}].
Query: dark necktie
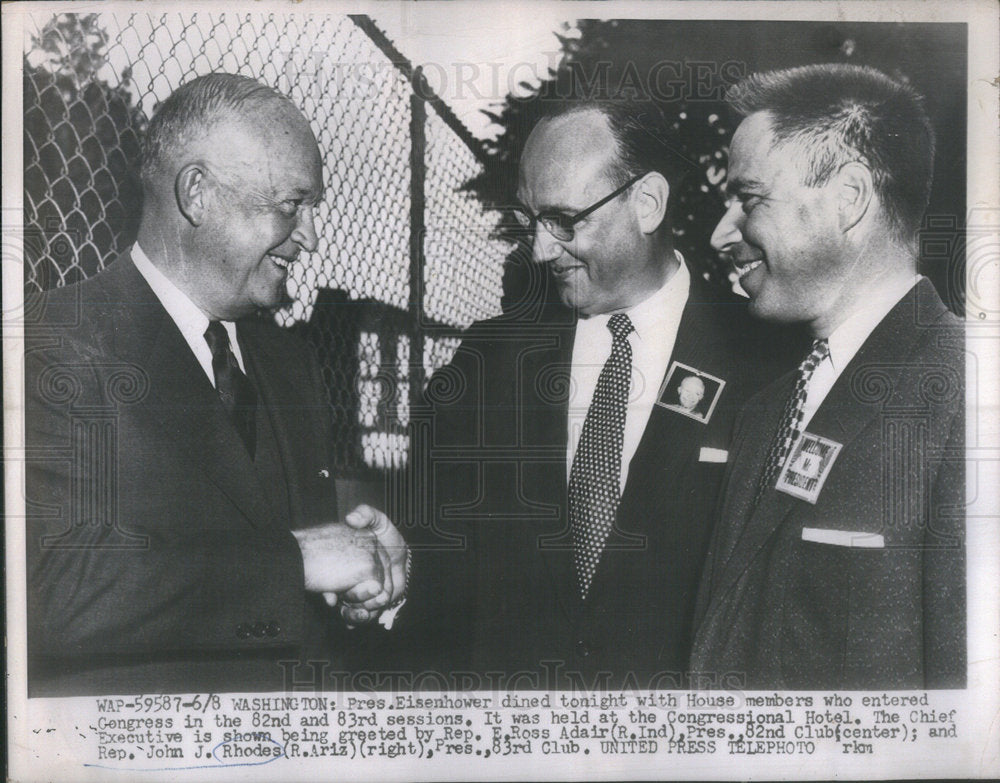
[
  {"x": 235, "y": 390},
  {"x": 791, "y": 420},
  {"x": 594, "y": 479}
]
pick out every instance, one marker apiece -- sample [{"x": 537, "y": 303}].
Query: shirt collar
[
  {"x": 847, "y": 339},
  {"x": 190, "y": 319}
]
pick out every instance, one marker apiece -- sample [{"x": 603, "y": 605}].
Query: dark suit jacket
[
  {"x": 783, "y": 612},
  {"x": 498, "y": 457},
  {"x": 160, "y": 556}
]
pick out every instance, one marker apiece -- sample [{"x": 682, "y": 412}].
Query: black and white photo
[{"x": 477, "y": 390}]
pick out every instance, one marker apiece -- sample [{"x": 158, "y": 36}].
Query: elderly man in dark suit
[
  {"x": 838, "y": 560},
  {"x": 179, "y": 485},
  {"x": 584, "y": 498}
]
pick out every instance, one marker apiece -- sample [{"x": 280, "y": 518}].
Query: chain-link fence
[{"x": 402, "y": 245}]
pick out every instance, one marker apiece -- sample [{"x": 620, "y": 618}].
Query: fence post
[{"x": 418, "y": 175}]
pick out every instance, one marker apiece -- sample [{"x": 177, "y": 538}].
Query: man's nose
[
  {"x": 544, "y": 247},
  {"x": 304, "y": 234},
  {"x": 730, "y": 229}
]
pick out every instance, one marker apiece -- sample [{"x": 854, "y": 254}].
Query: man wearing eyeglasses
[{"x": 585, "y": 500}]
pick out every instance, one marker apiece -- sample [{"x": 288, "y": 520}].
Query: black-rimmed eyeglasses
[{"x": 561, "y": 226}]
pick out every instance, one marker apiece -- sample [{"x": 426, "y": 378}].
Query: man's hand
[
  {"x": 337, "y": 557},
  {"x": 359, "y": 605}
]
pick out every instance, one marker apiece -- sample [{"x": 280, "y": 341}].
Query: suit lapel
[
  {"x": 859, "y": 395},
  {"x": 181, "y": 399},
  {"x": 292, "y": 433},
  {"x": 760, "y": 421},
  {"x": 669, "y": 439},
  {"x": 668, "y": 444},
  {"x": 760, "y": 522},
  {"x": 864, "y": 388},
  {"x": 545, "y": 418}
]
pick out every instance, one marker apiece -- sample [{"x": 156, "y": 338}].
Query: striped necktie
[
  {"x": 233, "y": 387},
  {"x": 791, "y": 420}
]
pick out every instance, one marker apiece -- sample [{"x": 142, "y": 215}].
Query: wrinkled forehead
[
  {"x": 694, "y": 383},
  {"x": 275, "y": 150},
  {"x": 566, "y": 161}
]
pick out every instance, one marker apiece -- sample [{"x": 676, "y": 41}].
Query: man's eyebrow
[
  {"x": 545, "y": 213},
  {"x": 553, "y": 209},
  {"x": 300, "y": 192},
  {"x": 546, "y": 209},
  {"x": 737, "y": 184}
]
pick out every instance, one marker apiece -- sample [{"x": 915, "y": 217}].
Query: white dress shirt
[
  {"x": 847, "y": 339},
  {"x": 655, "y": 321},
  {"x": 190, "y": 318}
]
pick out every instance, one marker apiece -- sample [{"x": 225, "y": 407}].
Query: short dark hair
[
  {"x": 193, "y": 108},
  {"x": 641, "y": 132},
  {"x": 839, "y": 113}
]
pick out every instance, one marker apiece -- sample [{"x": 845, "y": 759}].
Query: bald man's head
[
  {"x": 185, "y": 121},
  {"x": 616, "y": 254},
  {"x": 231, "y": 176},
  {"x": 691, "y": 392}
]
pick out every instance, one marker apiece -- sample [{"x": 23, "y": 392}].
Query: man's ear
[
  {"x": 855, "y": 190},
  {"x": 650, "y": 201},
  {"x": 190, "y": 190}
]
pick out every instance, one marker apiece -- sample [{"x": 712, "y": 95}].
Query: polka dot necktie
[
  {"x": 234, "y": 389},
  {"x": 594, "y": 479},
  {"x": 791, "y": 420}
]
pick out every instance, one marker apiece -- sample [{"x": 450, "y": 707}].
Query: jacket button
[
  {"x": 243, "y": 631},
  {"x": 272, "y": 629},
  {"x": 582, "y": 649}
]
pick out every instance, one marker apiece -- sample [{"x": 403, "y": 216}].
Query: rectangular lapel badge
[
  {"x": 807, "y": 467},
  {"x": 690, "y": 392}
]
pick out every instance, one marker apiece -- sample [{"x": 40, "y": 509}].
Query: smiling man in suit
[
  {"x": 179, "y": 485},
  {"x": 584, "y": 498},
  {"x": 838, "y": 558}
]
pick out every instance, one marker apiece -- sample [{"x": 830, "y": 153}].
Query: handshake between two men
[
  {"x": 360, "y": 563},
  {"x": 186, "y": 556},
  {"x": 204, "y": 474}
]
